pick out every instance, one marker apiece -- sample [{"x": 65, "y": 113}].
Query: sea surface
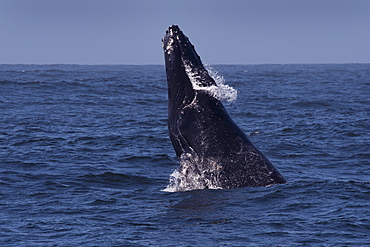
[{"x": 85, "y": 158}]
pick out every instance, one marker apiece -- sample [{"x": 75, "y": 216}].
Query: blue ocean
[{"x": 85, "y": 158}]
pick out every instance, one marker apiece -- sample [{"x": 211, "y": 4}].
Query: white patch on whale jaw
[{"x": 220, "y": 91}]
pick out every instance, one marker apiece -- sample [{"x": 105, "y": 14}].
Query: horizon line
[{"x": 217, "y": 64}]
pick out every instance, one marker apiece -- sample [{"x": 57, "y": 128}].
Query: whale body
[{"x": 212, "y": 150}]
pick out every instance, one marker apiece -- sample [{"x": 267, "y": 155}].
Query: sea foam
[{"x": 220, "y": 91}]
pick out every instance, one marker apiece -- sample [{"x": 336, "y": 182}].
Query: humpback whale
[{"x": 212, "y": 150}]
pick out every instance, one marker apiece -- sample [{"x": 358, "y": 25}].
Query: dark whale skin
[{"x": 201, "y": 131}]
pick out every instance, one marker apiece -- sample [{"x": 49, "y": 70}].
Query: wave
[{"x": 116, "y": 179}]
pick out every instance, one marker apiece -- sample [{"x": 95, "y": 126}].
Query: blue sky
[{"x": 223, "y": 32}]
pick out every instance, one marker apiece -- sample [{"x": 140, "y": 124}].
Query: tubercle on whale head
[{"x": 174, "y": 40}]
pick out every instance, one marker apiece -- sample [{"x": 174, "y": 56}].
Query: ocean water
[{"x": 85, "y": 157}]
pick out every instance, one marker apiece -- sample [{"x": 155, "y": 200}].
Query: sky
[{"x": 223, "y": 31}]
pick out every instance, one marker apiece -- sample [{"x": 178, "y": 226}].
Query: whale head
[{"x": 184, "y": 69}]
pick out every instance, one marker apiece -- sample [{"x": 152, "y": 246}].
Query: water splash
[
  {"x": 188, "y": 177},
  {"x": 220, "y": 91},
  {"x": 223, "y": 91}
]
